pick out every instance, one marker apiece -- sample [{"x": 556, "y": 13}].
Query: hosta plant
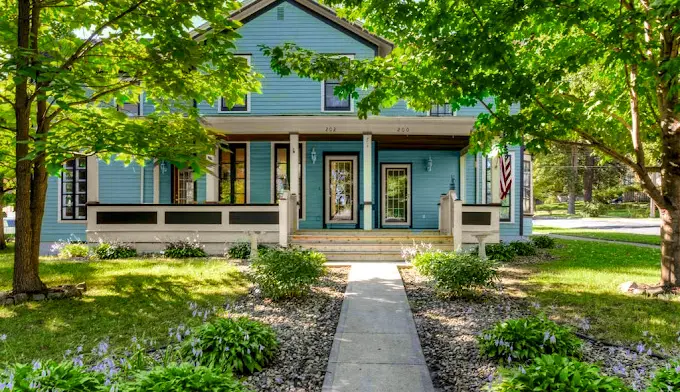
[
  {"x": 666, "y": 379},
  {"x": 559, "y": 374},
  {"x": 285, "y": 273},
  {"x": 110, "y": 251},
  {"x": 523, "y": 248},
  {"x": 523, "y": 339},
  {"x": 455, "y": 274},
  {"x": 239, "y": 344},
  {"x": 500, "y": 252},
  {"x": 184, "y": 250},
  {"x": 51, "y": 376},
  {"x": 543, "y": 241},
  {"x": 183, "y": 377}
]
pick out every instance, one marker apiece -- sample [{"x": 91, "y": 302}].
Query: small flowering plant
[
  {"x": 522, "y": 340},
  {"x": 666, "y": 379},
  {"x": 241, "y": 345},
  {"x": 51, "y": 376}
]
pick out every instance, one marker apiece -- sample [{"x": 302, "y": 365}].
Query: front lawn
[
  {"x": 622, "y": 210},
  {"x": 583, "y": 283},
  {"x": 601, "y": 235},
  {"x": 139, "y": 298}
]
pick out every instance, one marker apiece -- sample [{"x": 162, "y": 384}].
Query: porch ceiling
[{"x": 401, "y": 142}]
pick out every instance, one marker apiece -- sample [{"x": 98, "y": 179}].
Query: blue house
[{"x": 300, "y": 167}]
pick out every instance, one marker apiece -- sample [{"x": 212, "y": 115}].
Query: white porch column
[
  {"x": 495, "y": 181},
  {"x": 457, "y": 224},
  {"x": 156, "y": 182},
  {"x": 368, "y": 182},
  {"x": 92, "y": 179},
  {"x": 294, "y": 165},
  {"x": 212, "y": 184}
]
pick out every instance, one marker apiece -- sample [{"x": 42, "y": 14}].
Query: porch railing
[
  {"x": 468, "y": 223},
  {"x": 150, "y": 226}
]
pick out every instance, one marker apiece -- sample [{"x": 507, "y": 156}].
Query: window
[
  {"x": 238, "y": 107},
  {"x": 233, "y": 174},
  {"x": 441, "y": 110},
  {"x": 487, "y": 185},
  {"x": 183, "y": 185},
  {"x": 505, "y": 213},
  {"x": 74, "y": 189},
  {"x": 506, "y": 204},
  {"x": 282, "y": 173},
  {"x": 132, "y": 109},
  {"x": 527, "y": 185},
  {"x": 331, "y": 102}
]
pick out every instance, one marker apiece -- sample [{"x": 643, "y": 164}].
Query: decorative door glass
[
  {"x": 396, "y": 195},
  {"x": 341, "y": 190}
]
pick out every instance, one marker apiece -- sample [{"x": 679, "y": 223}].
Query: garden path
[{"x": 376, "y": 346}]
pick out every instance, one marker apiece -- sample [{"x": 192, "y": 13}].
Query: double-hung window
[
  {"x": 441, "y": 110},
  {"x": 73, "y": 197},
  {"x": 282, "y": 164},
  {"x": 233, "y": 175},
  {"x": 506, "y": 203},
  {"x": 331, "y": 102},
  {"x": 239, "y": 107}
]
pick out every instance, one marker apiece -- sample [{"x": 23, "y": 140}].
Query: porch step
[{"x": 363, "y": 245}]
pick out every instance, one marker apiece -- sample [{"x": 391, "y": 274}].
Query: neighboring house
[{"x": 386, "y": 172}]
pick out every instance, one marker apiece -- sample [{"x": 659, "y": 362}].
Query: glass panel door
[
  {"x": 396, "y": 194},
  {"x": 341, "y": 189}
]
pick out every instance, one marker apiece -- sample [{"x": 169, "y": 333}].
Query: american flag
[{"x": 506, "y": 175}]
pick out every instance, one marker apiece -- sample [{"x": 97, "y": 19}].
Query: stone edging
[{"x": 59, "y": 292}]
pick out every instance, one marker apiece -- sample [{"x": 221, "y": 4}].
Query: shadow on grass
[{"x": 130, "y": 305}]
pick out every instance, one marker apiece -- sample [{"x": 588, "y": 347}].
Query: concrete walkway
[{"x": 376, "y": 346}]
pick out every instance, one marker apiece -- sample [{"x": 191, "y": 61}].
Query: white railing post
[
  {"x": 284, "y": 212},
  {"x": 456, "y": 219},
  {"x": 444, "y": 214},
  {"x": 293, "y": 213}
]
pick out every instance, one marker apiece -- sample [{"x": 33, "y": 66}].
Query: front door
[
  {"x": 396, "y": 194},
  {"x": 341, "y": 193}
]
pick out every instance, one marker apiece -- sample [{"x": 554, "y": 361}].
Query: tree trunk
[
  {"x": 670, "y": 247},
  {"x": 26, "y": 278},
  {"x": 573, "y": 177},
  {"x": 588, "y": 176},
  {"x": 3, "y": 243}
]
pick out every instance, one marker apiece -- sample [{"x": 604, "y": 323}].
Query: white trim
[
  {"x": 92, "y": 190},
  {"x": 248, "y": 58},
  {"x": 212, "y": 181},
  {"x": 462, "y": 166},
  {"x": 527, "y": 158},
  {"x": 323, "y": 93},
  {"x": 156, "y": 182},
  {"x": 355, "y": 190},
  {"x": 247, "y": 170},
  {"x": 368, "y": 181},
  {"x": 383, "y": 187},
  {"x": 303, "y": 186}
]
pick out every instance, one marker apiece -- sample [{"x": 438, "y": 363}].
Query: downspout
[{"x": 521, "y": 189}]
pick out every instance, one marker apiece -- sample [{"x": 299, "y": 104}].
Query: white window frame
[
  {"x": 248, "y": 58},
  {"x": 323, "y": 92},
  {"x": 513, "y": 187},
  {"x": 60, "y": 193}
]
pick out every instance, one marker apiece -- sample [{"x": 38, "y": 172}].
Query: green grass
[
  {"x": 140, "y": 298},
  {"x": 623, "y": 210},
  {"x": 601, "y": 235},
  {"x": 583, "y": 282}
]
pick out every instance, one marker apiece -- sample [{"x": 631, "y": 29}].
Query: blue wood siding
[
  {"x": 119, "y": 183},
  {"x": 200, "y": 189},
  {"x": 52, "y": 230},
  {"x": 165, "y": 184},
  {"x": 148, "y": 182},
  {"x": 528, "y": 225},
  {"x": 314, "y": 209},
  {"x": 426, "y": 187},
  {"x": 260, "y": 172},
  {"x": 470, "y": 179}
]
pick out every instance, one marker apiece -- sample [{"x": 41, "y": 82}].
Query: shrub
[
  {"x": 284, "y": 273},
  {"x": 51, "y": 376},
  {"x": 543, "y": 241},
  {"x": 666, "y": 379},
  {"x": 558, "y": 373},
  {"x": 455, "y": 274},
  {"x": 523, "y": 248},
  {"x": 239, "y": 344},
  {"x": 500, "y": 252},
  {"x": 527, "y": 338},
  {"x": 184, "y": 377},
  {"x": 73, "y": 250},
  {"x": 593, "y": 210},
  {"x": 108, "y": 251},
  {"x": 241, "y": 250},
  {"x": 184, "y": 249}
]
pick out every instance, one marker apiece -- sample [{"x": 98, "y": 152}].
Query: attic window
[{"x": 280, "y": 13}]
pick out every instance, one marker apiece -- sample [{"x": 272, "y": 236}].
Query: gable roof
[{"x": 256, "y": 7}]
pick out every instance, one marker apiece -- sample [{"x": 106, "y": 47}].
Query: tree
[
  {"x": 601, "y": 74},
  {"x": 64, "y": 65}
]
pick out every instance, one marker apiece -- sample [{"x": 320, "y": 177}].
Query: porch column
[
  {"x": 211, "y": 181},
  {"x": 463, "y": 182},
  {"x": 93, "y": 179},
  {"x": 368, "y": 182},
  {"x": 294, "y": 165},
  {"x": 156, "y": 182},
  {"x": 495, "y": 181}
]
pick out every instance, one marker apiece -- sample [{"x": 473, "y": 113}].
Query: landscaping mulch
[
  {"x": 448, "y": 329},
  {"x": 305, "y": 328}
]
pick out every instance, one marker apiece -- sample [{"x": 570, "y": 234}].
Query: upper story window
[
  {"x": 441, "y": 110},
  {"x": 73, "y": 198},
  {"x": 239, "y": 107},
  {"x": 233, "y": 174},
  {"x": 331, "y": 102},
  {"x": 132, "y": 109}
]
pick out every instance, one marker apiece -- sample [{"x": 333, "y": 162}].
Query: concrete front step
[{"x": 363, "y": 247}]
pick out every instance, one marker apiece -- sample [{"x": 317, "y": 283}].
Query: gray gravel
[
  {"x": 448, "y": 331},
  {"x": 305, "y": 328}
]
